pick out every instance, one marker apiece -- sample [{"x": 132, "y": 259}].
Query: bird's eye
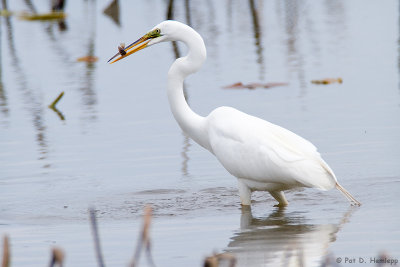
[{"x": 158, "y": 31}]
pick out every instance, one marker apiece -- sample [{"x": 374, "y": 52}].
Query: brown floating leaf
[
  {"x": 45, "y": 16},
  {"x": 89, "y": 59},
  {"x": 269, "y": 85},
  {"x": 328, "y": 81},
  {"x": 240, "y": 85}
]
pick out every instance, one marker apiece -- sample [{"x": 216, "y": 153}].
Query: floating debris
[
  {"x": 240, "y": 85},
  {"x": 328, "y": 81},
  {"x": 53, "y": 106},
  {"x": 45, "y": 16},
  {"x": 6, "y": 13},
  {"x": 54, "y": 103},
  {"x": 121, "y": 49},
  {"x": 216, "y": 259},
  {"x": 89, "y": 59}
]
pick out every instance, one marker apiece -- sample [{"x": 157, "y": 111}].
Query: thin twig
[
  {"x": 96, "y": 239},
  {"x": 144, "y": 239},
  {"x": 54, "y": 103},
  {"x": 57, "y": 257},
  {"x": 6, "y": 252},
  {"x": 53, "y": 106}
]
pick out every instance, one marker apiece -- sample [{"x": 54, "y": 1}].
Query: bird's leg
[
  {"x": 244, "y": 193},
  {"x": 346, "y": 193},
  {"x": 280, "y": 197}
]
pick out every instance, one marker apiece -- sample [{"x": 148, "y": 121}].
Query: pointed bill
[
  {"x": 135, "y": 46},
  {"x": 130, "y": 49}
]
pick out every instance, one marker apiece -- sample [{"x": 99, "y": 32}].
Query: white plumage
[{"x": 262, "y": 155}]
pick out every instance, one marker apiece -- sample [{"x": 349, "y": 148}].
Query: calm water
[{"x": 120, "y": 148}]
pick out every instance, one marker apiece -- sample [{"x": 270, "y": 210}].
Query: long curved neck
[{"x": 191, "y": 123}]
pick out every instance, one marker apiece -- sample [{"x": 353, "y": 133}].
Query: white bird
[{"x": 261, "y": 155}]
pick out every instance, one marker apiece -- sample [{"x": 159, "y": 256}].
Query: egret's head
[{"x": 160, "y": 33}]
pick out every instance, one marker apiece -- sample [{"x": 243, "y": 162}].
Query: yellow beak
[{"x": 130, "y": 49}]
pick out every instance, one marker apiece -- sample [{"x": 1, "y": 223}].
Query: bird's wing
[{"x": 249, "y": 147}]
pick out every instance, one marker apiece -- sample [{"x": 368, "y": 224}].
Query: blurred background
[{"x": 111, "y": 142}]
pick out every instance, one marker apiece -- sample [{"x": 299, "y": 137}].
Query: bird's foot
[
  {"x": 281, "y": 205},
  {"x": 280, "y": 197}
]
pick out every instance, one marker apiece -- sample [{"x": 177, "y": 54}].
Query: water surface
[{"x": 119, "y": 148}]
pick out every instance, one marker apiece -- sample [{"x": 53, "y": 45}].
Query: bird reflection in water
[{"x": 282, "y": 239}]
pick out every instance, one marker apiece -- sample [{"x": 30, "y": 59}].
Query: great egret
[{"x": 261, "y": 155}]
